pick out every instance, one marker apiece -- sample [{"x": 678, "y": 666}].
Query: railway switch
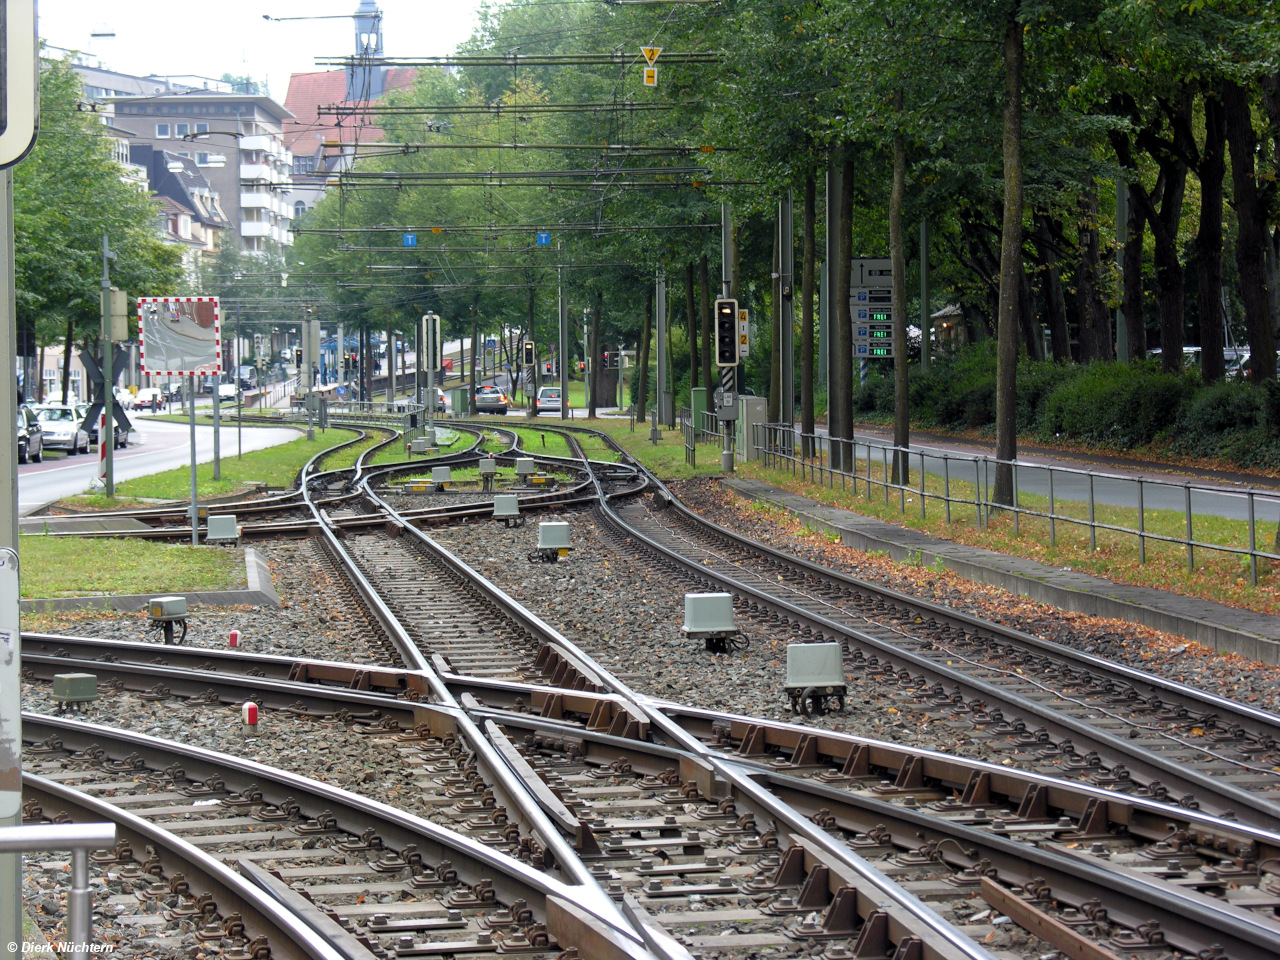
[
  {"x": 709, "y": 617},
  {"x": 815, "y": 677},
  {"x": 441, "y": 477},
  {"x": 553, "y": 542},
  {"x": 506, "y": 507},
  {"x": 70, "y": 689},
  {"x": 167, "y": 613}
]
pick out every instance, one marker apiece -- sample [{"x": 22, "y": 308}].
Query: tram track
[{"x": 784, "y": 817}]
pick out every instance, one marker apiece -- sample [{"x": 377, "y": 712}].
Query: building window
[
  {"x": 181, "y": 129},
  {"x": 202, "y": 128},
  {"x": 183, "y": 153},
  {"x": 162, "y": 131},
  {"x": 202, "y": 159},
  {"x": 299, "y": 208}
]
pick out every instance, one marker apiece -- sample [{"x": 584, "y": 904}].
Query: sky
[{"x": 231, "y": 36}]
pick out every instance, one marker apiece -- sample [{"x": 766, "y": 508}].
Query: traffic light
[
  {"x": 528, "y": 353},
  {"x": 297, "y": 356},
  {"x": 607, "y": 364},
  {"x": 727, "y": 333}
]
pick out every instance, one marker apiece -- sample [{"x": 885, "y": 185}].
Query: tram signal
[
  {"x": 297, "y": 356},
  {"x": 528, "y": 353},
  {"x": 727, "y": 353}
]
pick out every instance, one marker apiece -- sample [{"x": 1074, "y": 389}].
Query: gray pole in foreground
[
  {"x": 429, "y": 321},
  {"x": 195, "y": 511},
  {"x": 726, "y": 250},
  {"x": 217, "y": 422},
  {"x": 660, "y": 382},
  {"x": 10, "y": 863},
  {"x": 108, "y": 433}
]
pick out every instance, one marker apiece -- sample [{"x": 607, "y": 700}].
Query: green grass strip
[{"x": 79, "y": 567}]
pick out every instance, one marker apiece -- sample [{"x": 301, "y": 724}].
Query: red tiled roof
[{"x": 310, "y": 91}]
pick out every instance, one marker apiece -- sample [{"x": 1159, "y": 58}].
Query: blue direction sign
[
  {"x": 544, "y": 238},
  {"x": 410, "y": 239},
  {"x": 341, "y": 391}
]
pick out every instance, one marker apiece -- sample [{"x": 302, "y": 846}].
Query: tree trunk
[
  {"x": 1251, "y": 235},
  {"x": 596, "y": 358},
  {"x": 1095, "y": 319},
  {"x": 1010, "y": 266},
  {"x": 898, "y": 265},
  {"x": 840, "y": 398},
  {"x": 1135, "y": 315},
  {"x": 1271, "y": 103},
  {"x": 806, "y": 316},
  {"x": 40, "y": 380},
  {"x": 1055, "y": 306},
  {"x": 67, "y": 346},
  {"x": 1032, "y": 331},
  {"x": 1209, "y": 242},
  {"x": 775, "y": 337},
  {"x": 642, "y": 356},
  {"x": 692, "y": 311}
]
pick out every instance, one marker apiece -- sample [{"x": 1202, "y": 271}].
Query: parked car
[
  {"x": 174, "y": 392},
  {"x": 226, "y": 391},
  {"x": 491, "y": 400},
  {"x": 440, "y": 404},
  {"x": 30, "y": 436},
  {"x": 122, "y": 435},
  {"x": 547, "y": 401},
  {"x": 63, "y": 428},
  {"x": 143, "y": 400}
]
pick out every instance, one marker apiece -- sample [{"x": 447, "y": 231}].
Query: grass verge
[
  {"x": 84, "y": 567},
  {"x": 275, "y": 466}
]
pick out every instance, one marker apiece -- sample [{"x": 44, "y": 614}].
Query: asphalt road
[{"x": 154, "y": 446}]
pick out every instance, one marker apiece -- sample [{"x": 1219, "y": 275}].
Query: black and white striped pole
[{"x": 727, "y": 360}]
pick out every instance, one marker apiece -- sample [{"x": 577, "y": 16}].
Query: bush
[{"x": 1107, "y": 403}]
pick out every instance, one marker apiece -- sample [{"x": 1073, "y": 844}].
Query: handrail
[{"x": 79, "y": 838}]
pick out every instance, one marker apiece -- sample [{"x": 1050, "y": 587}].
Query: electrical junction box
[
  {"x": 489, "y": 467},
  {"x": 418, "y": 445},
  {"x": 554, "y": 536},
  {"x": 441, "y": 475},
  {"x": 708, "y": 613},
  {"x": 818, "y": 665},
  {"x": 222, "y": 528},
  {"x": 167, "y": 608},
  {"x": 506, "y": 505},
  {"x": 525, "y": 467},
  {"x": 75, "y": 687}
]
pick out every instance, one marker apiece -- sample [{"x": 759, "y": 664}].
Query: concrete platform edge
[
  {"x": 983, "y": 566},
  {"x": 259, "y": 592}
]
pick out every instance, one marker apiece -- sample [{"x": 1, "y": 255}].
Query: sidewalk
[{"x": 1223, "y": 628}]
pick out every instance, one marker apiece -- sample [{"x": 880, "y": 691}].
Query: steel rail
[
  {"x": 1250, "y": 808},
  {"x": 512, "y": 880},
  {"x": 289, "y": 937},
  {"x": 1177, "y": 692}
]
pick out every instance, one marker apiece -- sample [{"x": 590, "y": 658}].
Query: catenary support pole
[
  {"x": 926, "y": 322},
  {"x": 660, "y": 382},
  {"x": 787, "y": 327},
  {"x": 562, "y": 312},
  {"x": 108, "y": 434},
  {"x": 195, "y": 510}
]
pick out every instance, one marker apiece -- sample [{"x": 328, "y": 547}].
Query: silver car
[{"x": 63, "y": 428}]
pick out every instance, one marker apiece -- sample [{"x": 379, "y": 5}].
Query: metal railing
[
  {"x": 79, "y": 838},
  {"x": 1040, "y": 492},
  {"x": 684, "y": 417},
  {"x": 711, "y": 429}
]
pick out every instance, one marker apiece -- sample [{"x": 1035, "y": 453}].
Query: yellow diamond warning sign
[{"x": 650, "y": 54}]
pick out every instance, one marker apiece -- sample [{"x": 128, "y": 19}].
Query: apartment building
[{"x": 236, "y": 142}]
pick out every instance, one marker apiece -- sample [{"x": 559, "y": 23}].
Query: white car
[
  {"x": 63, "y": 428},
  {"x": 226, "y": 391}
]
